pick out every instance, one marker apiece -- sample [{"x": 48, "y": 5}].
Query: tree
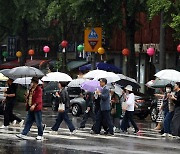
[
  {"x": 21, "y": 18},
  {"x": 171, "y": 9}
]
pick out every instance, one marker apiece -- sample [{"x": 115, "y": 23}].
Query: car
[
  {"x": 144, "y": 103},
  {"x": 154, "y": 111},
  {"x": 49, "y": 91}
]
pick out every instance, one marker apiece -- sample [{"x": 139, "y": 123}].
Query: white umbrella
[
  {"x": 25, "y": 81},
  {"x": 97, "y": 74},
  {"x": 76, "y": 82},
  {"x": 57, "y": 76},
  {"x": 169, "y": 74},
  {"x": 92, "y": 74},
  {"x": 25, "y": 71}
]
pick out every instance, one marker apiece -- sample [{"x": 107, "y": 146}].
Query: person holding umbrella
[
  {"x": 34, "y": 108},
  {"x": 10, "y": 101}
]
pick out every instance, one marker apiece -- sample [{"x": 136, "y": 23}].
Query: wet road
[{"x": 146, "y": 142}]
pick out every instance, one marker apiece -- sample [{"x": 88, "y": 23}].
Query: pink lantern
[
  {"x": 178, "y": 48},
  {"x": 150, "y": 52},
  {"x": 46, "y": 49}
]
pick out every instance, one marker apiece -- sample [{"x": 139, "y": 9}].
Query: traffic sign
[{"x": 92, "y": 39}]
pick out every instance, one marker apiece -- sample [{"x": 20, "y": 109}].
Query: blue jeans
[
  {"x": 63, "y": 116},
  {"x": 167, "y": 122},
  {"x": 33, "y": 116}
]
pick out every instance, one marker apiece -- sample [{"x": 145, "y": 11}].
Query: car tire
[
  {"x": 153, "y": 113},
  {"x": 76, "y": 110},
  {"x": 54, "y": 105}
]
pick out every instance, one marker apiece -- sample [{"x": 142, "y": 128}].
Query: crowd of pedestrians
[{"x": 104, "y": 107}]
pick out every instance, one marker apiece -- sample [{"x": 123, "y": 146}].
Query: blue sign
[{"x": 93, "y": 34}]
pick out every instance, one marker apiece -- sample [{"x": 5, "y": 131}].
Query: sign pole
[{"x": 93, "y": 61}]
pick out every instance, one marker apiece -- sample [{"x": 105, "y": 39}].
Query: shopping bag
[{"x": 61, "y": 107}]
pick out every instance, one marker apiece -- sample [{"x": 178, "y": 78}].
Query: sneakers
[
  {"x": 39, "y": 138},
  {"x": 21, "y": 123},
  {"x": 164, "y": 135},
  {"x": 21, "y": 136},
  {"x": 73, "y": 132},
  {"x": 14, "y": 122},
  {"x": 137, "y": 131},
  {"x": 53, "y": 132},
  {"x": 44, "y": 127},
  {"x": 4, "y": 127}
]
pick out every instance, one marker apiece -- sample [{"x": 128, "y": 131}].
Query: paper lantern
[
  {"x": 178, "y": 48},
  {"x": 46, "y": 49},
  {"x": 150, "y": 52},
  {"x": 80, "y": 49},
  {"x": 101, "y": 51},
  {"x": 64, "y": 43},
  {"x": 125, "y": 53},
  {"x": 5, "y": 54},
  {"x": 18, "y": 54},
  {"x": 31, "y": 53}
]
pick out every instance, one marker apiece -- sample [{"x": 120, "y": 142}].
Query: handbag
[
  {"x": 124, "y": 106},
  {"x": 113, "y": 111},
  {"x": 61, "y": 107}
]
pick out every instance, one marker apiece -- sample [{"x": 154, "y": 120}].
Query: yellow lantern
[
  {"x": 101, "y": 51},
  {"x": 18, "y": 54}
]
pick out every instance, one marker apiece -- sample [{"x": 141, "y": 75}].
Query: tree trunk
[
  {"x": 24, "y": 42},
  {"x": 162, "y": 56},
  {"x": 130, "y": 34}
]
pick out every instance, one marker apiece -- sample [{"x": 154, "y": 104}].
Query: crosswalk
[{"x": 84, "y": 134}]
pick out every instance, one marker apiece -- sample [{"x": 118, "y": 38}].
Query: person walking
[
  {"x": 9, "y": 103},
  {"x": 34, "y": 108},
  {"x": 168, "y": 107},
  {"x": 104, "y": 112},
  {"x": 63, "y": 98},
  {"x": 129, "y": 110},
  {"x": 116, "y": 110},
  {"x": 176, "y": 117},
  {"x": 89, "y": 109}
]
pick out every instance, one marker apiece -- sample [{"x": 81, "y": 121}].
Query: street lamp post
[{"x": 64, "y": 44}]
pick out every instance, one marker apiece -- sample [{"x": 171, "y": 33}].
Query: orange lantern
[
  {"x": 126, "y": 53},
  {"x": 101, "y": 51},
  {"x": 31, "y": 53},
  {"x": 19, "y": 55}
]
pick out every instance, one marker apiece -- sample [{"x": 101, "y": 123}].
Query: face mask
[{"x": 168, "y": 90}]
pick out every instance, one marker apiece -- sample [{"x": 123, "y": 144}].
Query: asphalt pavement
[{"x": 146, "y": 142}]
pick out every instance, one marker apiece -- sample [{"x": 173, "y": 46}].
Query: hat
[
  {"x": 128, "y": 87},
  {"x": 35, "y": 79}
]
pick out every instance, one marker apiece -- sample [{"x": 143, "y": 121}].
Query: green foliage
[{"x": 171, "y": 11}]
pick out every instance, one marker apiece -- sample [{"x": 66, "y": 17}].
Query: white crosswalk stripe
[{"x": 83, "y": 134}]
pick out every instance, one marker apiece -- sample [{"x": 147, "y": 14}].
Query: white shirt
[{"x": 130, "y": 101}]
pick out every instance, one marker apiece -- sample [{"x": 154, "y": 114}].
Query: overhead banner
[{"x": 92, "y": 39}]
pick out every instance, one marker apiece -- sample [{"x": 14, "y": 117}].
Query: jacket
[
  {"x": 105, "y": 99},
  {"x": 36, "y": 99}
]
